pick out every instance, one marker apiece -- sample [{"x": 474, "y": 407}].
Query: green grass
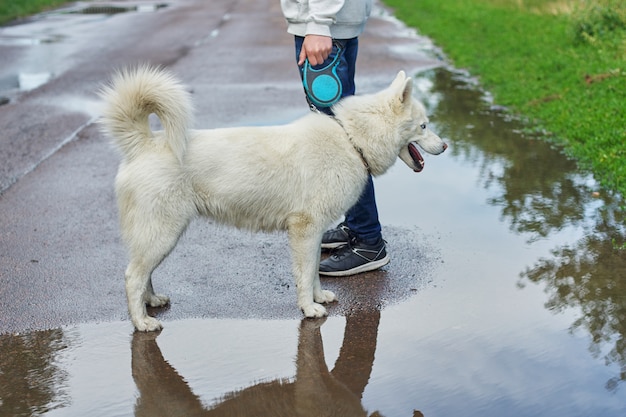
[
  {"x": 560, "y": 65},
  {"x": 17, "y": 9}
]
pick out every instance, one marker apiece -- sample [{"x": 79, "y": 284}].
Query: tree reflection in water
[
  {"x": 31, "y": 383},
  {"x": 590, "y": 275},
  {"x": 540, "y": 193}
]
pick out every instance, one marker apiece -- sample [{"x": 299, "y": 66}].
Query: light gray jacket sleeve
[
  {"x": 322, "y": 14},
  {"x": 340, "y": 19}
]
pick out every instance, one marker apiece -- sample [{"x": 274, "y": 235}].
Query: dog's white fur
[{"x": 298, "y": 177}]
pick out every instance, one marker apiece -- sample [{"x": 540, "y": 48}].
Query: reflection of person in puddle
[{"x": 314, "y": 392}]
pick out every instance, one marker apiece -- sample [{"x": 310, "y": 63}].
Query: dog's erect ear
[
  {"x": 398, "y": 81},
  {"x": 407, "y": 91},
  {"x": 402, "y": 87}
]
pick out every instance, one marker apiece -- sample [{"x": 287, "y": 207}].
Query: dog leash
[
  {"x": 323, "y": 88},
  {"x": 356, "y": 148}
]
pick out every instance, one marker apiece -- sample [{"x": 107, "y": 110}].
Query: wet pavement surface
[{"x": 505, "y": 295}]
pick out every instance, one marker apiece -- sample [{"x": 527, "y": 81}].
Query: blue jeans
[{"x": 362, "y": 218}]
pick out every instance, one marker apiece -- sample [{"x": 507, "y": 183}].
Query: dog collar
[{"x": 356, "y": 148}]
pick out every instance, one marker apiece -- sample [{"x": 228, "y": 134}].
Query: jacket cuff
[{"x": 313, "y": 28}]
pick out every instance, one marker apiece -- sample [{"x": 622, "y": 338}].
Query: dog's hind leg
[
  {"x": 148, "y": 249},
  {"x": 137, "y": 282},
  {"x": 153, "y": 299},
  {"x": 305, "y": 238}
]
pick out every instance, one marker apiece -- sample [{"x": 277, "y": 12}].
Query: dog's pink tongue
[{"x": 417, "y": 157}]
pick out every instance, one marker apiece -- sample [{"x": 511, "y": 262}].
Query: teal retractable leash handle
[{"x": 322, "y": 85}]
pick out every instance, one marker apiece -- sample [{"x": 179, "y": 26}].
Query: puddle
[
  {"x": 46, "y": 41},
  {"x": 30, "y": 81},
  {"x": 373, "y": 364},
  {"x": 115, "y": 9},
  {"x": 32, "y": 34},
  {"x": 24, "y": 81},
  {"x": 28, "y": 41}
]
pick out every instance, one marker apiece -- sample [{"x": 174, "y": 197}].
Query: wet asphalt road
[{"x": 61, "y": 258}]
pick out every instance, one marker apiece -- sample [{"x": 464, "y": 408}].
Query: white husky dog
[{"x": 299, "y": 177}]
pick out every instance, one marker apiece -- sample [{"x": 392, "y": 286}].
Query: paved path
[{"x": 61, "y": 259}]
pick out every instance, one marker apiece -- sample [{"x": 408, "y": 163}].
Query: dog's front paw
[
  {"x": 158, "y": 300},
  {"x": 147, "y": 324},
  {"x": 325, "y": 296},
  {"x": 314, "y": 310}
]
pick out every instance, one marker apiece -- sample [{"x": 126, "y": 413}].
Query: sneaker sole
[
  {"x": 370, "y": 266},
  {"x": 333, "y": 245}
]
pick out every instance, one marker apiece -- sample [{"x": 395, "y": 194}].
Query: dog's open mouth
[{"x": 417, "y": 157}]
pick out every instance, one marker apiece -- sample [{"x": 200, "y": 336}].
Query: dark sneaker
[
  {"x": 353, "y": 258},
  {"x": 336, "y": 237}
]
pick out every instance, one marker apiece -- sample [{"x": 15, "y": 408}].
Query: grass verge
[
  {"x": 18, "y": 9},
  {"x": 559, "y": 64}
]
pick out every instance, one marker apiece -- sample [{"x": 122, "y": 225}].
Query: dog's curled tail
[{"x": 132, "y": 96}]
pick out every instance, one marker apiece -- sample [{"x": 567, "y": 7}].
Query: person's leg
[
  {"x": 362, "y": 218},
  {"x": 361, "y": 231},
  {"x": 364, "y": 249}
]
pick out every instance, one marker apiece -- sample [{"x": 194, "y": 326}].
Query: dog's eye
[{"x": 423, "y": 126}]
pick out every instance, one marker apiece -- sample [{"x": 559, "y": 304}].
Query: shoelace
[{"x": 344, "y": 250}]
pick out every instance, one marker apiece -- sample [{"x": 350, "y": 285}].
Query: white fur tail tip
[{"x": 132, "y": 96}]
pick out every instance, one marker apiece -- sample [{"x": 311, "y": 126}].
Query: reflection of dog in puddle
[
  {"x": 298, "y": 177},
  {"x": 315, "y": 391}
]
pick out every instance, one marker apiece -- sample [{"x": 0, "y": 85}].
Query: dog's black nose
[{"x": 445, "y": 146}]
